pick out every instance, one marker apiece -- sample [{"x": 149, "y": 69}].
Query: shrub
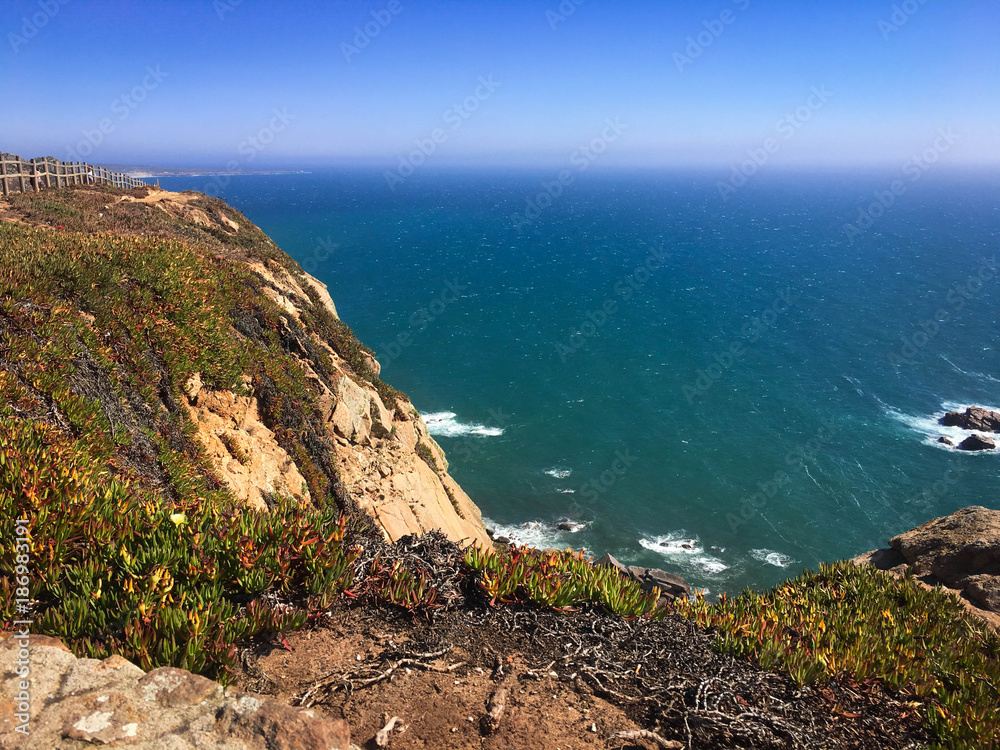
[{"x": 846, "y": 619}]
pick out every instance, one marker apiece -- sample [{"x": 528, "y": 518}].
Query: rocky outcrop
[
  {"x": 960, "y": 551},
  {"x": 671, "y": 586},
  {"x": 977, "y": 443},
  {"x": 377, "y": 450},
  {"x": 244, "y": 452},
  {"x": 973, "y": 418},
  {"x": 72, "y": 704},
  {"x": 404, "y": 493}
]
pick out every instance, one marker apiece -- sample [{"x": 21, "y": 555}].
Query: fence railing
[{"x": 20, "y": 176}]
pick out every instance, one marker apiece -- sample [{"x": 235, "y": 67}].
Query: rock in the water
[
  {"x": 671, "y": 586},
  {"x": 973, "y": 418},
  {"x": 946, "y": 440},
  {"x": 977, "y": 443},
  {"x": 961, "y": 550}
]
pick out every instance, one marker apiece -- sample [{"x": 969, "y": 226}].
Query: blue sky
[{"x": 265, "y": 84}]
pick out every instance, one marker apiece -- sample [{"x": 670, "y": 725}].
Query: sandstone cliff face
[
  {"x": 376, "y": 449},
  {"x": 304, "y": 417}
]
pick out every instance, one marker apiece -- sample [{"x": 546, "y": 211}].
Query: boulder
[
  {"x": 79, "y": 703},
  {"x": 961, "y": 551},
  {"x": 352, "y": 417},
  {"x": 883, "y": 559},
  {"x": 671, "y": 586},
  {"x": 973, "y": 418},
  {"x": 977, "y": 443},
  {"x": 946, "y": 440}
]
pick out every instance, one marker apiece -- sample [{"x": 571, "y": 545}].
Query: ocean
[{"x": 732, "y": 385}]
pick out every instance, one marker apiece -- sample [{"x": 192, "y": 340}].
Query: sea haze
[{"x": 728, "y": 389}]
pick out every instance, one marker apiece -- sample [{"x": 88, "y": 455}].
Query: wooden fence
[{"x": 18, "y": 175}]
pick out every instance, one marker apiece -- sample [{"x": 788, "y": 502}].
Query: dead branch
[{"x": 645, "y": 734}]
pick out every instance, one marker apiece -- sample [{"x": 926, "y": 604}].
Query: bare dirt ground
[{"x": 565, "y": 681}]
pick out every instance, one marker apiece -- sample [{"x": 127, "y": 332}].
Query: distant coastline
[{"x": 145, "y": 172}]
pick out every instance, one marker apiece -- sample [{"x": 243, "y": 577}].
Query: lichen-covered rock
[{"x": 81, "y": 703}]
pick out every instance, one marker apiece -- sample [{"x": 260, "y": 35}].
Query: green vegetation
[
  {"x": 117, "y": 570},
  {"x": 847, "y": 619},
  {"x": 235, "y": 448},
  {"x": 561, "y": 580},
  {"x": 428, "y": 457},
  {"x": 136, "y": 546},
  {"x": 138, "y": 549}
]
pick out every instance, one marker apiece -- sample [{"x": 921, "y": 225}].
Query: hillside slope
[{"x": 180, "y": 328}]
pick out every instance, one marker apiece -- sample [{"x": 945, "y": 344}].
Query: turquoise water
[{"x": 731, "y": 390}]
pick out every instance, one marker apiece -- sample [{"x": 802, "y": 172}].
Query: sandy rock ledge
[{"x": 86, "y": 703}]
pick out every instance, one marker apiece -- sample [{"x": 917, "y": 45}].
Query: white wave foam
[
  {"x": 684, "y": 550},
  {"x": 568, "y": 492},
  {"x": 930, "y": 427},
  {"x": 530, "y": 534},
  {"x": 444, "y": 424},
  {"x": 769, "y": 556},
  {"x": 558, "y": 473},
  {"x": 539, "y": 534}
]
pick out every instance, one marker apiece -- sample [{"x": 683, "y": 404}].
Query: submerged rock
[{"x": 973, "y": 418}]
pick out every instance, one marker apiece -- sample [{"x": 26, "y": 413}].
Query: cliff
[{"x": 349, "y": 435}]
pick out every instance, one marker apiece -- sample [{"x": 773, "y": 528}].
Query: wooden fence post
[{"x": 18, "y": 175}]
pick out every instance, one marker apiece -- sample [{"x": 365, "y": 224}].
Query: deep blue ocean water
[{"x": 730, "y": 389}]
